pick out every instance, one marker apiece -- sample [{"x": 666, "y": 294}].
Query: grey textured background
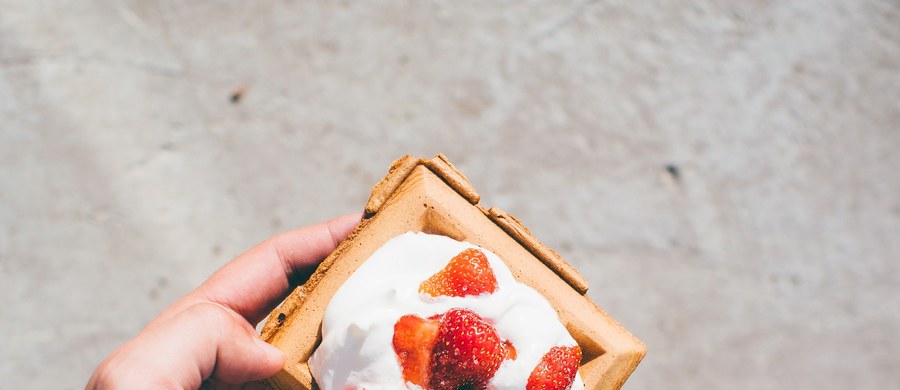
[{"x": 770, "y": 261}]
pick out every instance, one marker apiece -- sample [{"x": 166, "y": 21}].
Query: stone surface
[{"x": 725, "y": 174}]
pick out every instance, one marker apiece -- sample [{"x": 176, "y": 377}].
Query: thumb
[
  {"x": 205, "y": 341},
  {"x": 232, "y": 352}
]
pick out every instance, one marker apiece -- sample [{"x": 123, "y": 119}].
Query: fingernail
[{"x": 269, "y": 349}]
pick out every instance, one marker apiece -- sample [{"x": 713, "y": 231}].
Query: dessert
[
  {"x": 431, "y": 196},
  {"x": 398, "y": 318}
]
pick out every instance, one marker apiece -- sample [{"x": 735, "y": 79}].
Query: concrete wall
[{"x": 767, "y": 255}]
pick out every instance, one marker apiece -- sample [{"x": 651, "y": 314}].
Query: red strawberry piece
[
  {"x": 467, "y": 352},
  {"x": 468, "y": 273},
  {"x": 509, "y": 350},
  {"x": 557, "y": 369},
  {"x": 450, "y": 351},
  {"x": 414, "y": 339}
]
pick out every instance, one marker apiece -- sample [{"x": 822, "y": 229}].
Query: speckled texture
[{"x": 725, "y": 174}]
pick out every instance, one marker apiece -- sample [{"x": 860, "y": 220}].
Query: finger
[
  {"x": 256, "y": 281},
  {"x": 255, "y": 386},
  {"x": 205, "y": 341}
]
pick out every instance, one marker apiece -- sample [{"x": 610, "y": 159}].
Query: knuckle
[
  {"x": 213, "y": 316},
  {"x": 209, "y": 310},
  {"x": 105, "y": 378}
]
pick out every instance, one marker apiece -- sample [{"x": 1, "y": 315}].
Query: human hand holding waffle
[
  {"x": 207, "y": 338},
  {"x": 430, "y": 290}
]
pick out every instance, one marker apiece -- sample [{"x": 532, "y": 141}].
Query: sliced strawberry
[
  {"x": 467, "y": 352},
  {"x": 414, "y": 339},
  {"x": 509, "y": 350},
  {"x": 557, "y": 369},
  {"x": 450, "y": 351},
  {"x": 468, "y": 273}
]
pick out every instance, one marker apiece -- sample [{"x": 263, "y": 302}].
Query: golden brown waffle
[{"x": 432, "y": 196}]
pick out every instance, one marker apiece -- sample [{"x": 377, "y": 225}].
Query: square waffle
[{"x": 432, "y": 196}]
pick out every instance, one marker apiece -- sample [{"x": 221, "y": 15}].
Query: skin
[{"x": 207, "y": 338}]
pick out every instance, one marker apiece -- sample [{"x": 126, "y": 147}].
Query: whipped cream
[{"x": 357, "y": 332}]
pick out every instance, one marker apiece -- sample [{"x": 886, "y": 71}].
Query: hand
[{"x": 207, "y": 338}]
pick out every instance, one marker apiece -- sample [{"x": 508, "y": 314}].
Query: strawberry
[
  {"x": 413, "y": 341},
  {"x": 454, "y": 350},
  {"x": 556, "y": 370},
  {"x": 468, "y": 273},
  {"x": 467, "y": 352},
  {"x": 509, "y": 350}
]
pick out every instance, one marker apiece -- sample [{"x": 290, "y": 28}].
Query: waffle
[{"x": 432, "y": 196}]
